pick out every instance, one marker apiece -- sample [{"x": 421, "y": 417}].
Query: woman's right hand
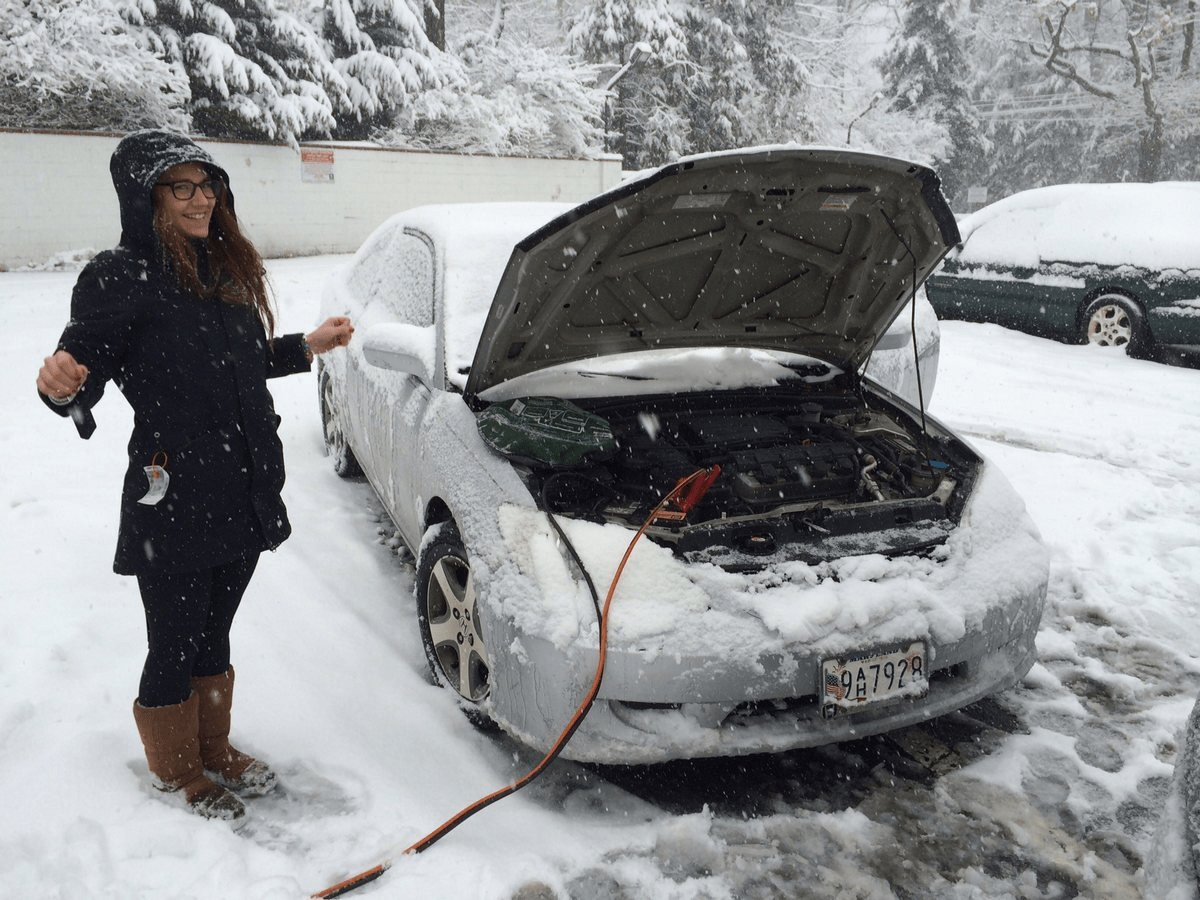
[{"x": 61, "y": 376}]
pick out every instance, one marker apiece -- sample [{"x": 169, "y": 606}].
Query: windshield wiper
[{"x": 627, "y": 377}]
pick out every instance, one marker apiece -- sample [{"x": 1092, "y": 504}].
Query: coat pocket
[{"x": 209, "y": 477}]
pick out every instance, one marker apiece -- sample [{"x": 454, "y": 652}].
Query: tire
[
  {"x": 451, "y": 631},
  {"x": 337, "y": 448},
  {"x": 1114, "y": 320}
]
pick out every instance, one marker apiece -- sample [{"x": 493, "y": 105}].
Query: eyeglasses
[{"x": 185, "y": 190}]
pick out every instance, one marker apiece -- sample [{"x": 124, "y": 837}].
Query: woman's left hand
[{"x": 335, "y": 331}]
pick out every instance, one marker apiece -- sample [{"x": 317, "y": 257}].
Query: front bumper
[
  {"x": 705, "y": 662},
  {"x": 721, "y": 712}
]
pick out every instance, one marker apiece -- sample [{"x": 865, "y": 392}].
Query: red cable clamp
[{"x": 677, "y": 510}]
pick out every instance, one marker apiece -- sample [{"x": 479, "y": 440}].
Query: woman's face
[{"x": 192, "y": 216}]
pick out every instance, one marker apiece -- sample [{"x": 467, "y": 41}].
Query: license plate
[{"x": 852, "y": 683}]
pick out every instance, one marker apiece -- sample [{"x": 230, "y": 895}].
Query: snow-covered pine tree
[
  {"x": 759, "y": 80},
  {"x": 381, "y": 50},
  {"x": 647, "y": 123},
  {"x": 257, "y": 70},
  {"x": 512, "y": 97},
  {"x": 926, "y": 75},
  {"x": 720, "y": 75},
  {"x": 723, "y": 90},
  {"x": 79, "y": 64}
]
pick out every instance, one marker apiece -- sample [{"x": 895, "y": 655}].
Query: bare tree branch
[
  {"x": 1101, "y": 49},
  {"x": 1066, "y": 70},
  {"x": 1150, "y": 157},
  {"x": 1056, "y": 53},
  {"x": 1143, "y": 79}
]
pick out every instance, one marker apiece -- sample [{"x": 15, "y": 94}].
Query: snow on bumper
[{"x": 704, "y": 662}]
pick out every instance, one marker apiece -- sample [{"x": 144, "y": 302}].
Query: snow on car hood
[
  {"x": 805, "y": 250},
  {"x": 664, "y": 605}
]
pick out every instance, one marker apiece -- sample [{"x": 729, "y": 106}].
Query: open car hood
[{"x": 805, "y": 250}]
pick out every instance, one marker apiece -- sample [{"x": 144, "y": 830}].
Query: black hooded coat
[{"x": 195, "y": 371}]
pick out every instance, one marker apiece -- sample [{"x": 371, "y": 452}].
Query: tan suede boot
[
  {"x": 236, "y": 770},
  {"x": 170, "y": 736}
]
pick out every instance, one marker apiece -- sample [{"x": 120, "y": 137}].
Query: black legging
[{"x": 188, "y": 616}]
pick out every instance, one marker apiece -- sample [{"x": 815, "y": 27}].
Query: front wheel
[
  {"x": 337, "y": 448},
  {"x": 1114, "y": 320},
  {"x": 448, "y": 611}
]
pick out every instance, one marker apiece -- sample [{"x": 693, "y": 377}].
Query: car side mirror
[{"x": 402, "y": 348}]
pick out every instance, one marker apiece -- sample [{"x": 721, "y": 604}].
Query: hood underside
[{"x": 808, "y": 251}]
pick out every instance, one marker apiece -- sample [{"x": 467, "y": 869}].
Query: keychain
[{"x": 158, "y": 478}]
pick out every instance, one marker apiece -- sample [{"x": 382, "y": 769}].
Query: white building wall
[{"x": 56, "y": 194}]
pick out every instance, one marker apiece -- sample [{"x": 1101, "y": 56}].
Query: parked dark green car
[{"x": 1116, "y": 265}]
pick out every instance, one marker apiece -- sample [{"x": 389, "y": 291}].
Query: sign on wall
[{"x": 316, "y": 166}]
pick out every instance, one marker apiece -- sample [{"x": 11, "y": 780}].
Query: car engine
[{"x": 805, "y": 476}]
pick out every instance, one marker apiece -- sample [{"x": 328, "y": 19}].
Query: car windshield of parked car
[{"x": 1152, "y": 226}]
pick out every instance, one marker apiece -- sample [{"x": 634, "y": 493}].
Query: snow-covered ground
[{"x": 1054, "y": 789}]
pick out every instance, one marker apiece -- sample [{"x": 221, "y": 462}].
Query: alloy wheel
[
  {"x": 1110, "y": 326},
  {"x": 454, "y": 634}
]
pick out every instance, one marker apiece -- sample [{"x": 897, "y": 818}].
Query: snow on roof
[
  {"x": 477, "y": 240},
  {"x": 1149, "y": 225}
]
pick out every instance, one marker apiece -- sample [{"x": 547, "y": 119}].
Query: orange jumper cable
[{"x": 700, "y": 480}]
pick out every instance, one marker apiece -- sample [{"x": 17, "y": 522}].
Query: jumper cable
[{"x": 700, "y": 481}]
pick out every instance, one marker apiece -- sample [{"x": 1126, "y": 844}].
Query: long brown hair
[{"x": 236, "y": 270}]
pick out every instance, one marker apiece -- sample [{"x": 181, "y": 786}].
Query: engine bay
[{"x": 820, "y": 470}]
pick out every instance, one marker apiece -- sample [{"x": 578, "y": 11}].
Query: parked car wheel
[
  {"x": 448, "y": 610},
  {"x": 1114, "y": 320},
  {"x": 337, "y": 448}
]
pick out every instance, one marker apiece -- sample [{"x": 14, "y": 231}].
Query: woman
[{"x": 178, "y": 318}]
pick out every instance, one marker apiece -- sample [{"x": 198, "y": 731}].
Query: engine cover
[{"x": 790, "y": 472}]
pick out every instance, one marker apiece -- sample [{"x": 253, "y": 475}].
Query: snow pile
[
  {"x": 663, "y": 605},
  {"x": 1171, "y": 870},
  {"x": 65, "y": 261}
]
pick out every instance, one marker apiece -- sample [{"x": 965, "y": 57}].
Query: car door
[
  {"x": 409, "y": 299},
  {"x": 363, "y": 382},
  {"x": 973, "y": 293},
  {"x": 1012, "y": 296}
]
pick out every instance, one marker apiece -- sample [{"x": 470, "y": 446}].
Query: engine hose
[{"x": 366, "y": 877}]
